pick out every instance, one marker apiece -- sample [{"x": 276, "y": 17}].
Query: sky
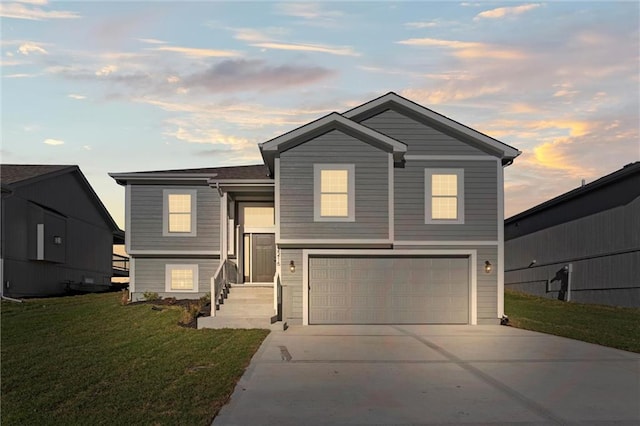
[{"x": 152, "y": 85}]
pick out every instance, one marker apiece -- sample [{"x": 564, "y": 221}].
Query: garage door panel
[{"x": 387, "y": 290}]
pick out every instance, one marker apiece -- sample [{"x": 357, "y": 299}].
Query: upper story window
[
  {"x": 444, "y": 196},
  {"x": 334, "y": 192},
  {"x": 181, "y": 278},
  {"x": 179, "y": 213}
]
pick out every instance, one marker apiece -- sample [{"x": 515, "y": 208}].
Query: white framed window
[
  {"x": 179, "y": 212},
  {"x": 444, "y": 196},
  {"x": 334, "y": 192},
  {"x": 181, "y": 278}
]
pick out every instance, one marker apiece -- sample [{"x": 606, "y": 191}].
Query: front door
[{"x": 263, "y": 265}]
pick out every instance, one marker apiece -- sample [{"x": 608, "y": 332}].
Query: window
[
  {"x": 181, "y": 278},
  {"x": 259, "y": 216},
  {"x": 444, "y": 196},
  {"x": 334, "y": 192},
  {"x": 179, "y": 213}
]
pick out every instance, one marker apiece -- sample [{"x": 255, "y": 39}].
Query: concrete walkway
[{"x": 490, "y": 375}]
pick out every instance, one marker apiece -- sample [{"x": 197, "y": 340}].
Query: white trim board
[
  {"x": 500, "y": 260},
  {"x": 333, "y": 241},
  {"x": 473, "y": 272},
  {"x": 445, "y": 243},
  {"x": 391, "y": 196},
  {"x": 175, "y": 252},
  {"x": 451, "y": 158}
]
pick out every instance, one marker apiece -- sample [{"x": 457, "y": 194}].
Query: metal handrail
[{"x": 120, "y": 262}]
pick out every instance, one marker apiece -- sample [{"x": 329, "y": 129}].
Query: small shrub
[
  {"x": 170, "y": 300},
  {"x": 151, "y": 296},
  {"x": 190, "y": 313},
  {"x": 204, "y": 300},
  {"x": 125, "y": 297}
]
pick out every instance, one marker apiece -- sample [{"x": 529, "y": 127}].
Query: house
[
  {"x": 386, "y": 213},
  {"x": 582, "y": 246},
  {"x": 56, "y": 233}
]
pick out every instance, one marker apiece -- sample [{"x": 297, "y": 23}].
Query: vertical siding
[
  {"x": 420, "y": 138},
  {"x": 292, "y": 286},
  {"x": 480, "y": 193},
  {"x": 146, "y": 220},
  {"x": 604, "y": 249},
  {"x": 371, "y": 187},
  {"x": 150, "y": 276}
]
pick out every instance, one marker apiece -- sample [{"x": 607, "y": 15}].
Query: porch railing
[{"x": 227, "y": 273}]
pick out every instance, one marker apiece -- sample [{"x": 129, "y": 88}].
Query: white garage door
[{"x": 388, "y": 290}]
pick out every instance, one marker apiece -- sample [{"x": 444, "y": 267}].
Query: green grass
[
  {"x": 89, "y": 360},
  {"x": 605, "y": 325}
]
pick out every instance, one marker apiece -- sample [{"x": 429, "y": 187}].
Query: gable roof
[
  {"x": 14, "y": 176},
  {"x": 396, "y": 102},
  {"x": 627, "y": 171},
  {"x": 22, "y": 174},
  {"x": 250, "y": 172},
  {"x": 332, "y": 121}
]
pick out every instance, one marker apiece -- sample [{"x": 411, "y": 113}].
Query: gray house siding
[
  {"x": 603, "y": 249},
  {"x": 420, "y": 138},
  {"x": 147, "y": 220},
  {"x": 65, "y": 209},
  {"x": 481, "y": 203},
  {"x": 371, "y": 189},
  {"x": 150, "y": 277},
  {"x": 291, "y": 286}
]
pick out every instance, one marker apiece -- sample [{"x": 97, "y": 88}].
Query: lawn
[
  {"x": 605, "y": 325},
  {"x": 89, "y": 360}
]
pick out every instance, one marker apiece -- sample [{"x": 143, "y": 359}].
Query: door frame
[
  {"x": 244, "y": 230},
  {"x": 472, "y": 254}
]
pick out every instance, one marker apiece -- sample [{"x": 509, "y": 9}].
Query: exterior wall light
[
  {"x": 488, "y": 267},
  {"x": 57, "y": 240},
  {"x": 292, "y": 266}
]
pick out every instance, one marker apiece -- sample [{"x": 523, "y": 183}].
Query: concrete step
[
  {"x": 245, "y": 311},
  {"x": 245, "y": 323}
]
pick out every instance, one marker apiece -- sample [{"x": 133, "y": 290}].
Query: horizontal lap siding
[
  {"x": 604, "y": 249},
  {"x": 146, "y": 220},
  {"x": 420, "y": 138},
  {"x": 371, "y": 188},
  {"x": 150, "y": 276},
  {"x": 291, "y": 285},
  {"x": 480, "y": 205}
]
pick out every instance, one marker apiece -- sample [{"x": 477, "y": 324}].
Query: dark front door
[{"x": 264, "y": 257}]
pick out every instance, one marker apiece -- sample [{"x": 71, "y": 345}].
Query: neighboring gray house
[
  {"x": 56, "y": 232},
  {"x": 387, "y": 213},
  {"x": 582, "y": 246}
]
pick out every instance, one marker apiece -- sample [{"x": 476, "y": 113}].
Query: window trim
[
  {"x": 173, "y": 266},
  {"x": 428, "y": 218},
  {"x": 351, "y": 193},
  {"x": 165, "y": 212}
]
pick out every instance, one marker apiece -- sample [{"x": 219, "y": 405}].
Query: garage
[{"x": 389, "y": 290}]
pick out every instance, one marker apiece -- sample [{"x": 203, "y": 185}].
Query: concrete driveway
[{"x": 320, "y": 375}]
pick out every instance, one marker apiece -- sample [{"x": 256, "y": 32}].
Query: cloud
[
  {"x": 25, "y": 10},
  {"x": 307, "y": 11},
  {"x": 341, "y": 51},
  {"x": 265, "y": 40},
  {"x": 86, "y": 147},
  {"x": 245, "y": 75},
  {"x": 28, "y": 48},
  {"x": 502, "y": 12},
  {"x": 106, "y": 70},
  {"x": 466, "y": 49},
  {"x": 420, "y": 25},
  {"x": 53, "y": 142},
  {"x": 151, "y": 41},
  {"x": 194, "y": 52},
  {"x": 19, "y": 75},
  {"x": 77, "y": 97}
]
